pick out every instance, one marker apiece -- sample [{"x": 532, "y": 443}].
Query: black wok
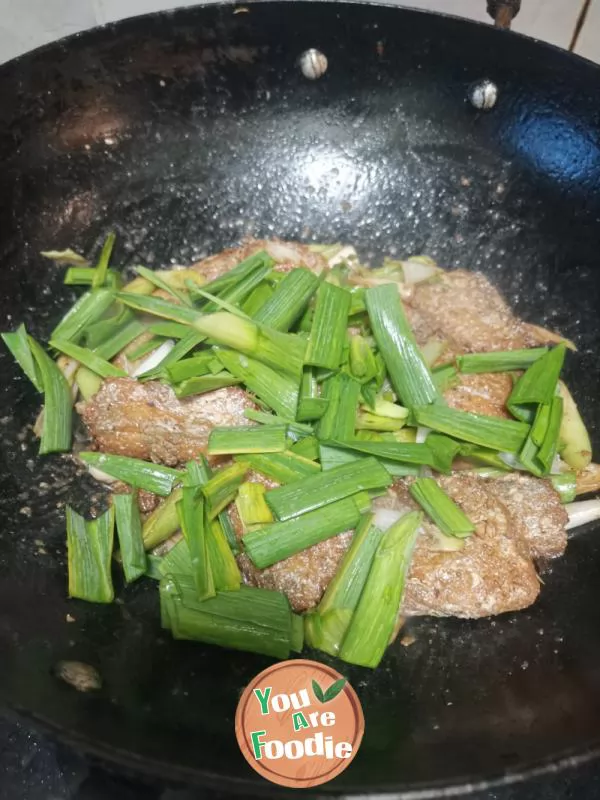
[{"x": 185, "y": 132}]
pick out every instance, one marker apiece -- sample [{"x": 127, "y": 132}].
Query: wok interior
[{"x": 184, "y": 133}]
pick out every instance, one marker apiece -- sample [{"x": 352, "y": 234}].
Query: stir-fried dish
[{"x": 305, "y": 451}]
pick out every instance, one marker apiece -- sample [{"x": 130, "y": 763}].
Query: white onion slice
[
  {"x": 422, "y": 434},
  {"x": 416, "y": 272},
  {"x": 582, "y": 512},
  {"x": 101, "y": 476},
  {"x": 155, "y": 358},
  {"x": 344, "y": 254},
  {"x": 511, "y": 460}
]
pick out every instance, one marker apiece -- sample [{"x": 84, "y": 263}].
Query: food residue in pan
[{"x": 303, "y": 451}]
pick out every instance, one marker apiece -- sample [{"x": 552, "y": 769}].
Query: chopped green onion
[
  {"x": 145, "y": 348},
  {"x": 444, "y": 377},
  {"x": 182, "y": 348},
  {"x": 363, "y": 365},
  {"x": 88, "y": 358},
  {"x": 221, "y": 489},
  {"x": 440, "y": 508},
  {"x": 280, "y": 540},
  {"x": 159, "y": 307},
  {"x": 229, "y": 279},
  {"x": 444, "y": 450},
  {"x": 67, "y": 256},
  {"x": 289, "y": 300},
  {"x": 343, "y": 593},
  {"x": 375, "y": 616},
  {"x": 252, "y": 620},
  {"x": 277, "y": 391},
  {"x": 328, "y": 331},
  {"x": 295, "y": 429},
  {"x": 153, "y": 565},
  {"x": 192, "y": 367},
  {"x": 251, "y": 505},
  {"x": 99, "y": 278},
  {"x": 129, "y": 530},
  {"x": 407, "y": 453},
  {"x": 482, "y": 456},
  {"x": 307, "y": 447},
  {"x": 177, "y": 561},
  {"x": 537, "y": 384},
  {"x": 279, "y": 350},
  {"x": 192, "y": 520},
  {"x": 495, "y": 433},
  {"x": 256, "y": 299},
  {"x": 549, "y": 445},
  {"x": 163, "y": 522},
  {"x": 58, "y": 402},
  {"x": 205, "y": 383},
  {"x": 324, "y": 488},
  {"x": 119, "y": 340},
  {"x": 87, "y": 382},
  {"x": 408, "y": 372},
  {"x": 89, "y": 547},
  {"x": 217, "y": 303},
  {"x": 281, "y": 467},
  {"x": 226, "y": 572},
  {"x": 142, "y": 474},
  {"x": 565, "y": 485},
  {"x": 89, "y": 308},
  {"x": 247, "y": 439},
  {"x": 385, "y": 408},
  {"x": 84, "y": 276},
  {"x": 98, "y": 332},
  {"x": 365, "y": 421},
  {"x": 198, "y": 473},
  {"x": 342, "y": 393},
  {"x": 499, "y": 361},
  {"x": 18, "y": 344},
  {"x": 311, "y": 405},
  {"x": 332, "y": 457},
  {"x": 160, "y": 283},
  {"x": 236, "y": 295},
  {"x": 169, "y": 330},
  {"x": 575, "y": 445}
]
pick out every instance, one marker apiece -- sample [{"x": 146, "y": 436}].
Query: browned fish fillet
[
  {"x": 484, "y": 393},
  {"x": 146, "y": 420},
  {"x": 538, "y": 508},
  {"x": 304, "y": 576},
  {"x": 286, "y": 254},
  {"x": 493, "y": 572},
  {"x": 466, "y": 309}
]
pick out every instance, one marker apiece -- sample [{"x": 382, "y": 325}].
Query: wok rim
[{"x": 141, "y": 768}]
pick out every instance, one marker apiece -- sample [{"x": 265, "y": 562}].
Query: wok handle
[{"x": 503, "y": 11}]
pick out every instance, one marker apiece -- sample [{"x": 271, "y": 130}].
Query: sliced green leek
[
  {"x": 375, "y": 616},
  {"x": 247, "y": 439},
  {"x": 129, "y": 530},
  {"x": 89, "y": 547},
  {"x": 135, "y": 472},
  {"x": 324, "y": 488},
  {"x": 449, "y": 518}
]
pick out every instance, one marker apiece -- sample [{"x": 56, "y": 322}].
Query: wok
[{"x": 185, "y": 132}]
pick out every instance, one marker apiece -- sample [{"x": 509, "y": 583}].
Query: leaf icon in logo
[
  {"x": 335, "y": 688},
  {"x": 329, "y": 694},
  {"x": 318, "y": 692}
]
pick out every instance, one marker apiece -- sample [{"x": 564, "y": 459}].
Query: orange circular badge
[{"x": 299, "y": 723}]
